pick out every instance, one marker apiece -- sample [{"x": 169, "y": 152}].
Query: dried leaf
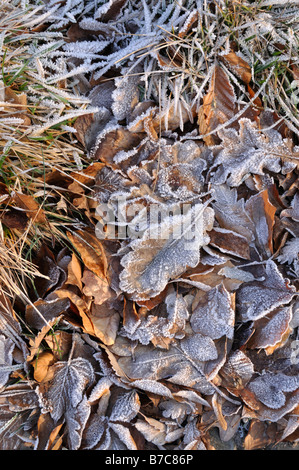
[
  {"x": 100, "y": 389},
  {"x": 15, "y": 219},
  {"x": 74, "y": 272},
  {"x": 218, "y": 105},
  {"x": 231, "y": 212},
  {"x": 42, "y": 364},
  {"x": 20, "y": 102},
  {"x": 289, "y": 252},
  {"x": 104, "y": 322},
  {"x": 262, "y": 212},
  {"x": 270, "y": 388},
  {"x": 271, "y": 329},
  {"x": 173, "y": 365},
  {"x": 76, "y": 419},
  {"x": 112, "y": 141},
  {"x": 11, "y": 330},
  {"x": 217, "y": 406},
  {"x": 65, "y": 391},
  {"x": 259, "y": 435},
  {"x": 214, "y": 314},
  {"x": 124, "y": 436},
  {"x": 44, "y": 313},
  {"x": 153, "y": 387},
  {"x": 199, "y": 348},
  {"x": 158, "y": 257},
  {"x": 33, "y": 210},
  {"x": 47, "y": 432},
  {"x": 238, "y": 66},
  {"x": 182, "y": 180},
  {"x": 250, "y": 151},
  {"x": 36, "y": 342},
  {"x": 91, "y": 251},
  {"x": 159, "y": 329},
  {"x": 157, "y": 432},
  {"x": 126, "y": 407},
  {"x": 97, "y": 288},
  {"x": 230, "y": 242},
  {"x": 257, "y": 298},
  {"x": 126, "y": 95},
  {"x": 6, "y": 359},
  {"x": 293, "y": 210},
  {"x": 237, "y": 370}
]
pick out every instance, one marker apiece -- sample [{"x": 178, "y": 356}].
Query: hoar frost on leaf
[
  {"x": 270, "y": 330},
  {"x": 6, "y": 350},
  {"x": 250, "y": 151},
  {"x": 199, "y": 348},
  {"x": 66, "y": 389},
  {"x": 160, "y": 329},
  {"x": 289, "y": 252},
  {"x": 173, "y": 365},
  {"x": 214, "y": 315},
  {"x": 164, "y": 252},
  {"x": 270, "y": 388},
  {"x": 257, "y": 298}
]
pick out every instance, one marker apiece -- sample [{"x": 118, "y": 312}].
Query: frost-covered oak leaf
[
  {"x": 250, "y": 151},
  {"x": 290, "y": 251},
  {"x": 164, "y": 252}
]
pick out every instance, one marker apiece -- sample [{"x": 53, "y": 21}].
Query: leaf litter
[{"x": 175, "y": 327}]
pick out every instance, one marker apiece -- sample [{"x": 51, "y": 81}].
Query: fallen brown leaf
[
  {"x": 238, "y": 66},
  {"x": 105, "y": 322},
  {"x": 218, "y": 105},
  {"x": 14, "y": 219},
  {"x": 32, "y": 208},
  {"x": 36, "y": 342},
  {"x": 260, "y": 435},
  {"x": 97, "y": 288},
  {"x": 74, "y": 272},
  {"x": 91, "y": 251},
  {"x": 41, "y": 365}
]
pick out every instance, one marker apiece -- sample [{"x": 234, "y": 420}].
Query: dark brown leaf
[{"x": 218, "y": 105}]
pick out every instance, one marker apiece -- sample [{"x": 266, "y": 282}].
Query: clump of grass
[
  {"x": 265, "y": 36},
  {"x": 36, "y": 139}
]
